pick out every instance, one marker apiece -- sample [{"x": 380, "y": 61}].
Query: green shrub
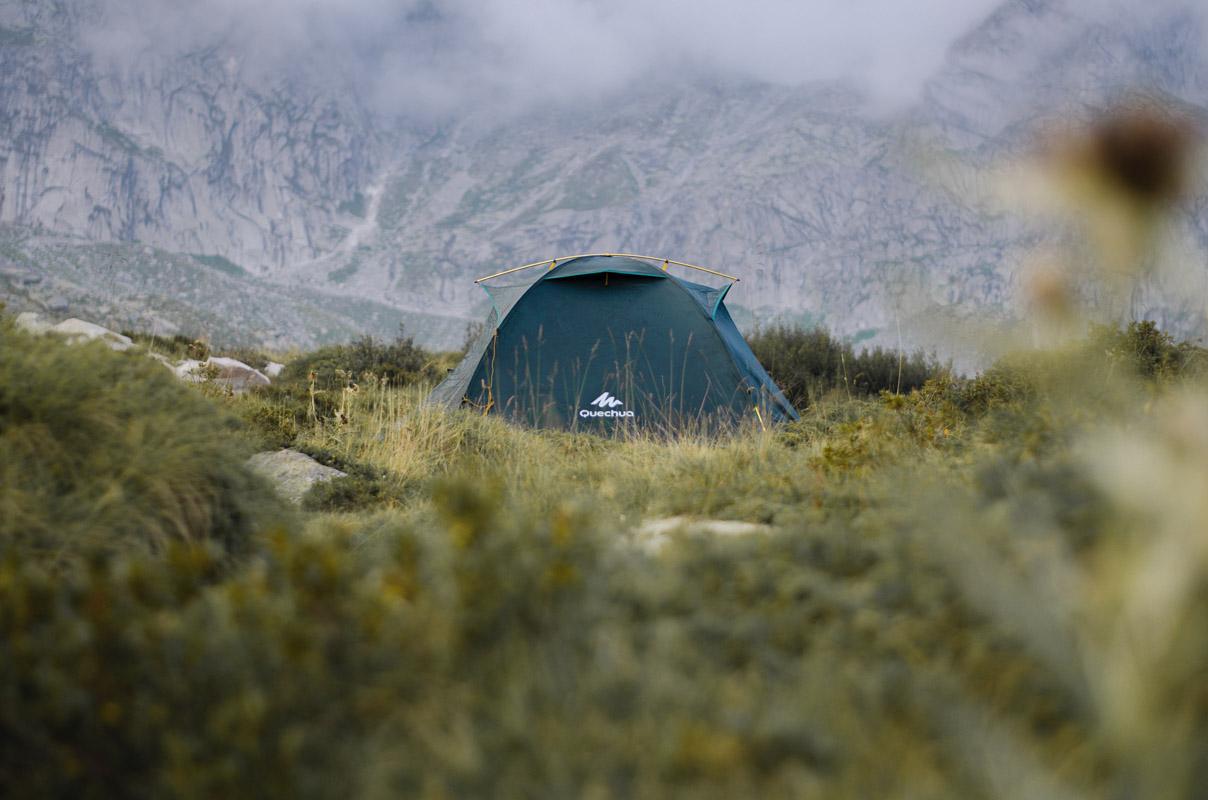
[
  {"x": 274, "y": 417},
  {"x": 109, "y": 450},
  {"x": 1148, "y": 351},
  {"x": 489, "y": 649},
  {"x": 1004, "y": 384},
  {"x": 363, "y": 488},
  {"x": 398, "y": 363},
  {"x": 945, "y": 601},
  {"x": 809, "y": 364}
]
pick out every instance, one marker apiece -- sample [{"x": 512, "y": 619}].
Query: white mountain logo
[
  {"x": 607, "y": 405},
  {"x": 606, "y": 401}
]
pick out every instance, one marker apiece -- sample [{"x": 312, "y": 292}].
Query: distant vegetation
[
  {"x": 356, "y": 206},
  {"x": 950, "y": 580},
  {"x": 398, "y": 363},
  {"x": 221, "y": 264},
  {"x": 343, "y": 273},
  {"x": 809, "y": 364},
  {"x": 16, "y": 37}
]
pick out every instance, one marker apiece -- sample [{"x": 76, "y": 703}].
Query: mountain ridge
[{"x": 822, "y": 204}]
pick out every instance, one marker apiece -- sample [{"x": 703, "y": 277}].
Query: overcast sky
[{"x": 442, "y": 56}]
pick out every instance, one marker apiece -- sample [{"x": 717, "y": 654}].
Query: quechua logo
[{"x": 606, "y": 406}]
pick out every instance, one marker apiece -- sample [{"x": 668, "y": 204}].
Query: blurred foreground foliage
[
  {"x": 985, "y": 587},
  {"x": 110, "y": 451}
]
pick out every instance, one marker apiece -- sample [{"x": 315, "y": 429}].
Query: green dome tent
[{"x": 601, "y": 340}]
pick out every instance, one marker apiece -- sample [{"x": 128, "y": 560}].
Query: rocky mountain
[
  {"x": 179, "y": 152},
  {"x": 289, "y": 183}
]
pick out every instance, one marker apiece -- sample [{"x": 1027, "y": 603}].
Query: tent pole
[
  {"x": 515, "y": 269},
  {"x": 664, "y": 261}
]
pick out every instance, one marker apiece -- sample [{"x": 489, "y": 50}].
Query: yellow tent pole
[
  {"x": 681, "y": 264},
  {"x": 515, "y": 269},
  {"x": 553, "y": 262}
]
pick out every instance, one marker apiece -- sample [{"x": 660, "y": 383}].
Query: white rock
[
  {"x": 291, "y": 472},
  {"x": 235, "y": 374},
  {"x": 163, "y": 360},
  {"x": 273, "y": 369},
  {"x": 226, "y": 372},
  {"x": 78, "y": 330},
  {"x": 32, "y": 322},
  {"x": 189, "y": 370},
  {"x": 654, "y": 534}
]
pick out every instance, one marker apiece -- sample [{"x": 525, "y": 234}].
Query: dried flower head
[
  {"x": 1141, "y": 151},
  {"x": 1048, "y": 289}
]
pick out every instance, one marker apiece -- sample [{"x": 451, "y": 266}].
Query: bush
[
  {"x": 946, "y": 601},
  {"x": 362, "y": 488},
  {"x": 808, "y": 364},
  {"x": 1148, "y": 351},
  {"x": 458, "y": 657},
  {"x": 108, "y": 450},
  {"x": 398, "y": 363},
  {"x": 491, "y": 649}
]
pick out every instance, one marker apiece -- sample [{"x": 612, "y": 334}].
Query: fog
[
  {"x": 441, "y": 57},
  {"x": 448, "y": 56}
]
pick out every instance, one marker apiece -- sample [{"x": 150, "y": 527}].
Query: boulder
[
  {"x": 292, "y": 473},
  {"x": 190, "y": 370},
  {"x": 163, "y": 360},
  {"x": 235, "y": 374},
  {"x": 226, "y": 372},
  {"x": 77, "y": 330},
  {"x": 273, "y": 369},
  {"x": 32, "y": 322},
  {"x": 654, "y": 534}
]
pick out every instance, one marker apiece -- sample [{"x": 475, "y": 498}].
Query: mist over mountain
[{"x": 197, "y": 164}]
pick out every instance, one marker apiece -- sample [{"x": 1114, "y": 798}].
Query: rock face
[
  {"x": 181, "y": 152},
  {"x": 291, "y": 472},
  {"x": 823, "y": 207}
]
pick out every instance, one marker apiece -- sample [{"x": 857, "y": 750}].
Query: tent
[{"x": 604, "y": 340}]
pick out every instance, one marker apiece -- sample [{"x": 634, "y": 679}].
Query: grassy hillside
[{"x": 987, "y": 587}]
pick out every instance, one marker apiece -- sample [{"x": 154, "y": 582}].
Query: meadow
[
  {"x": 932, "y": 585},
  {"x": 981, "y": 587}
]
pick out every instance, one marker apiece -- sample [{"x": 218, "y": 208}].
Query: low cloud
[{"x": 445, "y": 57}]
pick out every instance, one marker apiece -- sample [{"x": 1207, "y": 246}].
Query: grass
[
  {"x": 943, "y": 601},
  {"x": 108, "y": 452},
  {"x": 968, "y": 588}
]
